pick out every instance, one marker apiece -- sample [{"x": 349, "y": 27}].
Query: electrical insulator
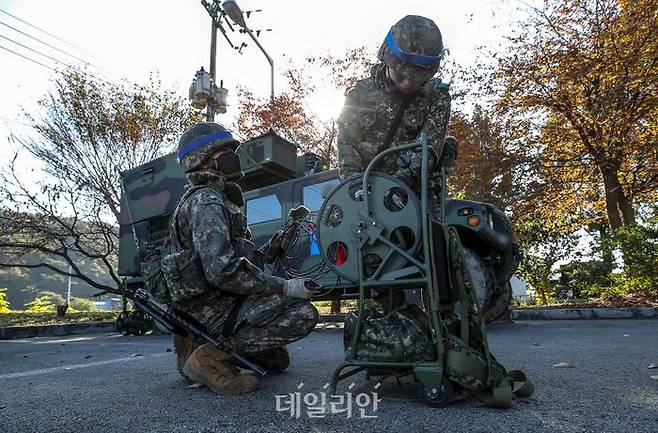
[
  {"x": 200, "y": 90},
  {"x": 220, "y": 96}
]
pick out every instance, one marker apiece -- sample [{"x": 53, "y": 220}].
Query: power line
[
  {"x": 46, "y": 32},
  {"x": 27, "y": 58},
  {"x": 42, "y": 42},
  {"x": 35, "y": 51},
  {"x": 57, "y": 49}
]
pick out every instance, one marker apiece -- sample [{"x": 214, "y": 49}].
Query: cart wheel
[
  {"x": 439, "y": 397},
  {"x": 140, "y": 323},
  {"x": 122, "y": 323}
]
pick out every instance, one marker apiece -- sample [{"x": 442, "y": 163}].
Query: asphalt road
[{"x": 111, "y": 383}]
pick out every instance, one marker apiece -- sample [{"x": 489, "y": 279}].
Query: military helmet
[
  {"x": 413, "y": 47},
  {"x": 200, "y": 141}
]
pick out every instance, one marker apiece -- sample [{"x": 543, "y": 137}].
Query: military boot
[
  {"x": 183, "y": 346},
  {"x": 274, "y": 361},
  {"x": 212, "y": 367}
]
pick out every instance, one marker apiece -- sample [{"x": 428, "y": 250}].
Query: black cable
[
  {"x": 45, "y": 43},
  {"x": 31, "y": 60},
  {"x": 35, "y": 51},
  {"x": 46, "y": 32}
]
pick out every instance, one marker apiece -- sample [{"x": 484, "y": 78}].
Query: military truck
[{"x": 277, "y": 180}]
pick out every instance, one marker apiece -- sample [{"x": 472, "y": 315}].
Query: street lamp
[{"x": 235, "y": 13}]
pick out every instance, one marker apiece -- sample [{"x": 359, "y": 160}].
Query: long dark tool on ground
[{"x": 179, "y": 323}]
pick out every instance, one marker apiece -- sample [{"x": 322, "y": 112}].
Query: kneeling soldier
[{"x": 212, "y": 275}]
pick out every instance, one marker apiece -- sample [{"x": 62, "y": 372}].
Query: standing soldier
[
  {"x": 211, "y": 273},
  {"x": 396, "y": 103}
]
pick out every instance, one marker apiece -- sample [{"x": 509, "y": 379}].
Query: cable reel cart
[{"x": 357, "y": 225}]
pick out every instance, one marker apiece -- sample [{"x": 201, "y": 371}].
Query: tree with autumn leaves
[
  {"x": 580, "y": 95},
  {"x": 290, "y": 114},
  {"x": 578, "y": 101}
]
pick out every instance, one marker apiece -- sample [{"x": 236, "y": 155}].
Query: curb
[
  {"x": 586, "y": 313},
  {"x": 13, "y": 332}
]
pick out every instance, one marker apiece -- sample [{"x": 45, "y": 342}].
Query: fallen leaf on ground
[
  {"x": 194, "y": 385},
  {"x": 652, "y": 366},
  {"x": 87, "y": 356},
  {"x": 536, "y": 344},
  {"x": 136, "y": 354},
  {"x": 626, "y": 335},
  {"x": 563, "y": 365}
]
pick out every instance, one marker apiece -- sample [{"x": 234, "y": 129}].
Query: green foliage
[
  {"x": 544, "y": 243},
  {"x": 40, "y": 305},
  {"x": 82, "y": 304},
  {"x": 584, "y": 279},
  {"x": 52, "y": 297},
  {"x": 23, "y": 284},
  {"x": 23, "y": 318},
  {"x": 4, "y": 304},
  {"x": 639, "y": 246},
  {"x": 535, "y": 270}
]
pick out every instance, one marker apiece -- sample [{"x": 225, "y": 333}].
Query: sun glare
[{"x": 326, "y": 102}]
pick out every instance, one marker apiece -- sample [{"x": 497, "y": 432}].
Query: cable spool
[{"x": 343, "y": 229}]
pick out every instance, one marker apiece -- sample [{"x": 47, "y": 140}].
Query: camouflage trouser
[{"x": 263, "y": 322}]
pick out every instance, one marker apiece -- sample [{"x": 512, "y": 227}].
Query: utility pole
[
  {"x": 210, "y": 111},
  {"x": 204, "y": 92},
  {"x": 214, "y": 17},
  {"x": 68, "y": 291}
]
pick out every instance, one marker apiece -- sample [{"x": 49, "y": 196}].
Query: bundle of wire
[{"x": 287, "y": 265}]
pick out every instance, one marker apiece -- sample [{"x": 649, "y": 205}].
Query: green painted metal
[{"x": 372, "y": 214}]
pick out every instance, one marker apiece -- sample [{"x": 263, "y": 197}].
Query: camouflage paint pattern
[
  {"x": 193, "y": 160},
  {"x": 402, "y": 335},
  {"x": 210, "y": 223},
  {"x": 213, "y": 226},
  {"x": 264, "y": 322},
  {"x": 152, "y": 190}
]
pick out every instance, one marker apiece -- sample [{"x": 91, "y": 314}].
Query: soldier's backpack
[
  {"x": 173, "y": 277},
  {"x": 404, "y": 334}
]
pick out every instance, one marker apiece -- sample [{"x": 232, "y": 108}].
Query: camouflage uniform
[
  {"x": 211, "y": 224},
  {"x": 369, "y": 109},
  {"x": 401, "y": 335},
  {"x": 371, "y": 105}
]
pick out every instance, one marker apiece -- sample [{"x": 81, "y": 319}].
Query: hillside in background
[{"x": 24, "y": 284}]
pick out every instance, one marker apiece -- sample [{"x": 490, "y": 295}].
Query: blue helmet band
[
  {"x": 202, "y": 141},
  {"x": 414, "y": 59}
]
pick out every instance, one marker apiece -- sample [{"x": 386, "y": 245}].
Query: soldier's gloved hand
[{"x": 301, "y": 288}]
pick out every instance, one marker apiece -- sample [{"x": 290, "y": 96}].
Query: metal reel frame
[
  {"x": 394, "y": 213},
  {"x": 368, "y": 231}
]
